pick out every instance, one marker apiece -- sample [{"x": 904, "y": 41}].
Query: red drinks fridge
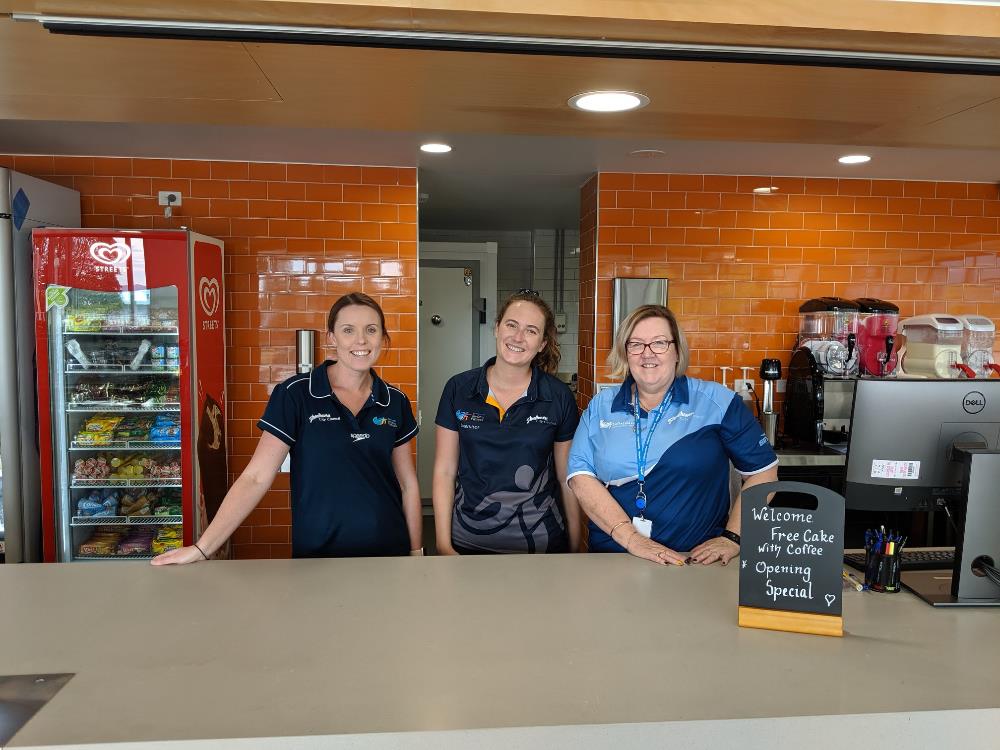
[{"x": 131, "y": 390}]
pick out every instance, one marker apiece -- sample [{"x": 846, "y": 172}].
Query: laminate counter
[{"x": 574, "y": 651}]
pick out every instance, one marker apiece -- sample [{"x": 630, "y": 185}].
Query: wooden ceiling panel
[
  {"x": 67, "y": 78},
  {"x": 35, "y": 63}
]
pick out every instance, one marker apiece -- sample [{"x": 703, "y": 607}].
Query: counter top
[
  {"x": 550, "y": 651},
  {"x": 802, "y": 458}
]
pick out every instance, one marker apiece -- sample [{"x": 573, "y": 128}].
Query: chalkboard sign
[{"x": 791, "y": 558}]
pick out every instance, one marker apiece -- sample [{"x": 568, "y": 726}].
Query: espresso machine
[{"x": 821, "y": 376}]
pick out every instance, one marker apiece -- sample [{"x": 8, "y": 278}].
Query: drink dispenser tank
[{"x": 878, "y": 321}]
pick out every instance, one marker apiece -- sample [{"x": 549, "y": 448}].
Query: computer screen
[{"x": 902, "y": 434}]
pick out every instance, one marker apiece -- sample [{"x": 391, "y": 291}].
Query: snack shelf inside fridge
[
  {"x": 127, "y": 520},
  {"x": 115, "y": 364}
]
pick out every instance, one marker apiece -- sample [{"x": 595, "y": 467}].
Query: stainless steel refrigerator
[{"x": 26, "y": 203}]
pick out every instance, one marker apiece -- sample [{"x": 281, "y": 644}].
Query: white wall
[
  {"x": 526, "y": 259},
  {"x": 486, "y": 254}
]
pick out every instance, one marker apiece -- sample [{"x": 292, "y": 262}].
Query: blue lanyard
[{"x": 642, "y": 449}]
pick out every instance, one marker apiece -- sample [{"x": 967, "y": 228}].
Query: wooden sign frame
[{"x": 790, "y": 620}]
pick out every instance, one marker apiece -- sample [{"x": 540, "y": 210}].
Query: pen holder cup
[{"x": 881, "y": 572}]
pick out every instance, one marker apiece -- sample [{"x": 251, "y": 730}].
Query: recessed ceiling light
[
  {"x": 765, "y": 190},
  {"x": 608, "y": 101},
  {"x": 854, "y": 159},
  {"x": 435, "y": 148},
  {"x": 647, "y": 153}
]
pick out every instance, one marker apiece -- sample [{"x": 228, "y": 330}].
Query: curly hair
[{"x": 547, "y": 360}]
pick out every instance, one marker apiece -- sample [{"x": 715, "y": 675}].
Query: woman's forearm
[
  {"x": 600, "y": 506},
  {"x": 242, "y": 498}
]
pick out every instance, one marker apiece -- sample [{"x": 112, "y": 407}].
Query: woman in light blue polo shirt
[
  {"x": 354, "y": 488},
  {"x": 650, "y": 460}
]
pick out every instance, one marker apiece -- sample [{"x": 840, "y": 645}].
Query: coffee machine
[{"x": 821, "y": 375}]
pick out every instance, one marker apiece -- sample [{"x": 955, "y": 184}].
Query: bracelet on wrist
[
  {"x": 615, "y": 528},
  {"x": 731, "y": 536},
  {"x": 195, "y": 544}
]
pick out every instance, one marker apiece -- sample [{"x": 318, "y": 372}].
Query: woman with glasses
[
  {"x": 503, "y": 437},
  {"x": 650, "y": 460}
]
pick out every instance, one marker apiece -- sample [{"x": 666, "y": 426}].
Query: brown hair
[
  {"x": 618, "y": 357},
  {"x": 547, "y": 360},
  {"x": 356, "y": 298}
]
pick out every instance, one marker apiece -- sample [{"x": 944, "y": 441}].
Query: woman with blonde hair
[{"x": 650, "y": 460}]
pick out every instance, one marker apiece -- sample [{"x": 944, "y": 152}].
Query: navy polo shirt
[
  {"x": 507, "y": 492},
  {"x": 704, "y": 427},
  {"x": 346, "y": 500}
]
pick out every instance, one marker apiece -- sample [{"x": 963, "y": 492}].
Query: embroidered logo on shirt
[
  {"x": 323, "y": 418},
  {"x": 538, "y": 418},
  {"x": 468, "y": 416},
  {"x": 357, "y": 437},
  {"x": 379, "y": 421},
  {"x": 680, "y": 415},
  {"x": 609, "y": 425}
]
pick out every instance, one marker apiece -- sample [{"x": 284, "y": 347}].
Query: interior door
[{"x": 448, "y": 343}]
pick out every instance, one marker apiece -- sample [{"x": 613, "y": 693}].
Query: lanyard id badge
[{"x": 642, "y": 524}]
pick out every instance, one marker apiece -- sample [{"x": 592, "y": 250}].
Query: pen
[{"x": 858, "y": 586}]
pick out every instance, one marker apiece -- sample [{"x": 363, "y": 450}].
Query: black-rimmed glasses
[{"x": 660, "y": 346}]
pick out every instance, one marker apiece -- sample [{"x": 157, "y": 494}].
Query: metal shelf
[
  {"x": 89, "y": 407},
  {"x": 127, "y": 521},
  {"x": 134, "y": 556},
  {"x": 124, "y": 445},
  {"x": 118, "y": 370},
  {"x": 174, "y": 482},
  {"x": 120, "y": 331}
]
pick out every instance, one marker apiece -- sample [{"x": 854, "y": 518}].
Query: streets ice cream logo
[
  {"x": 111, "y": 255},
  {"x": 209, "y": 295},
  {"x": 384, "y": 421}
]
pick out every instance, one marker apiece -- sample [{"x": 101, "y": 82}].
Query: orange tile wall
[
  {"x": 740, "y": 263},
  {"x": 297, "y": 236}
]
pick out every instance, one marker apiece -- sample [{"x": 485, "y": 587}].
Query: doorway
[{"x": 451, "y": 314}]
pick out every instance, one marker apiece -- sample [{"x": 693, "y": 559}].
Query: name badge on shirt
[{"x": 643, "y": 525}]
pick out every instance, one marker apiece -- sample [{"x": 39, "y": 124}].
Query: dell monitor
[{"x": 903, "y": 432}]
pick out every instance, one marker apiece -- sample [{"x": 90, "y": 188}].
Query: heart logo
[
  {"x": 830, "y": 599},
  {"x": 111, "y": 255},
  {"x": 208, "y": 293}
]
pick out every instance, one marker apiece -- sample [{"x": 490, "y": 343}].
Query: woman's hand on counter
[
  {"x": 181, "y": 556},
  {"x": 718, "y": 549},
  {"x": 647, "y": 549}
]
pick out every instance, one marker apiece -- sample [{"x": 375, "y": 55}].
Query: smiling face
[
  {"x": 653, "y": 372},
  {"x": 357, "y": 336},
  {"x": 520, "y": 334}
]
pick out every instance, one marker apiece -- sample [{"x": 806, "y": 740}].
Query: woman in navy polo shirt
[
  {"x": 354, "y": 488},
  {"x": 650, "y": 460},
  {"x": 503, "y": 436}
]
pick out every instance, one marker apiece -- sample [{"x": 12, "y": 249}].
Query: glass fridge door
[{"x": 115, "y": 362}]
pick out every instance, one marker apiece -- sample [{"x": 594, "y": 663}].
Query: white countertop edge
[{"x": 970, "y": 729}]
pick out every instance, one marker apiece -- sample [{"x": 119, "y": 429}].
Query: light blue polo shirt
[{"x": 704, "y": 427}]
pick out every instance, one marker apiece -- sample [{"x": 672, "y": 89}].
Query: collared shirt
[
  {"x": 346, "y": 500},
  {"x": 704, "y": 427},
  {"x": 507, "y": 492}
]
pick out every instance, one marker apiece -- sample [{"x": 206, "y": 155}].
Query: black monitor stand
[{"x": 978, "y": 520}]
